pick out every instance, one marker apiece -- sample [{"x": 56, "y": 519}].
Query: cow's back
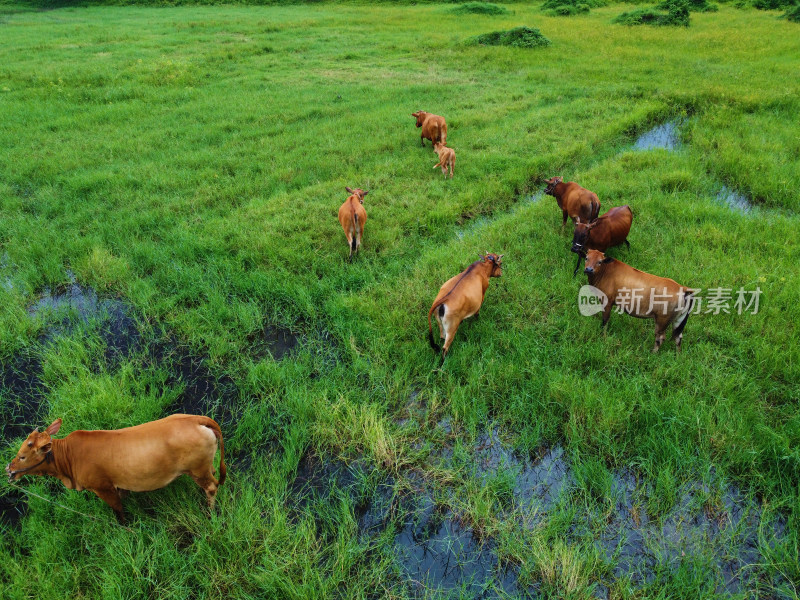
[{"x": 143, "y": 457}]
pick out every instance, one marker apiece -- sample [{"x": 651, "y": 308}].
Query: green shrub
[
  {"x": 793, "y": 14},
  {"x": 677, "y": 14},
  {"x": 480, "y": 8},
  {"x": 774, "y": 4},
  {"x": 519, "y": 37},
  {"x": 694, "y": 5},
  {"x": 566, "y": 8}
]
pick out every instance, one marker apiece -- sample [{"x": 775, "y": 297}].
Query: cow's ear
[
  {"x": 606, "y": 260},
  {"x": 54, "y": 427},
  {"x": 367, "y": 192},
  {"x": 349, "y": 191},
  {"x": 45, "y": 448}
]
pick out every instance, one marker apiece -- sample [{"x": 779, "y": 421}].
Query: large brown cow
[
  {"x": 605, "y": 232},
  {"x": 573, "y": 200},
  {"x": 461, "y": 297},
  {"x": 135, "y": 459},
  {"x": 641, "y": 295},
  {"x": 352, "y": 217},
  {"x": 433, "y": 127}
]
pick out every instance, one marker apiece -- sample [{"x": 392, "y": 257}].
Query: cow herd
[{"x": 149, "y": 456}]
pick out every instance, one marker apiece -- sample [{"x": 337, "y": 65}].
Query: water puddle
[
  {"x": 733, "y": 199},
  {"x": 438, "y": 552},
  {"x": 202, "y": 392},
  {"x": 723, "y": 534},
  {"x": 274, "y": 341},
  {"x": 13, "y": 507},
  {"x": 22, "y": 396},
  {"x": 77, "y": 304},
  {"x": 664, "y": 136}
]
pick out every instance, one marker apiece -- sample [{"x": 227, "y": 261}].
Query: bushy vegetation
[
  {"x": 566, "y": 8},
  {"x": 793, "y": 13},
  {"x": 480, "y": 8},
  {"x": 668, "y": 13},
  {"x": 519, "y": 37},
  {"x": 189, "y": 163},
  {"x": 693, "y": 5}
]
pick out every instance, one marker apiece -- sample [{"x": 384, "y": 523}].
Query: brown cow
[
  {"x": 641, "y": 295},
  {"x": 447, "y": 158},
  {"x": 610, "y": 230},
  {"x": 433, "y": 127},
  {"x": 573, "y": 200},
  {"x": 352, "y": 216},
  {"x": 135, "y": 459},
  {"x": 461, "y": 297}
]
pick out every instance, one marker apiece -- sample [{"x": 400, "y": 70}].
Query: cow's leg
[
  {"x": 564, "y": 216},
  {"x": 661, "y": 328},
  {"x": 422, "y": 141},
  {"x": 606, "y": 316},
  {"x": 206, "y": 480},
  {"x": 351, "y": 243},
  {"x": 110, "y": 496},
  {"x": 450, "y": 327}
]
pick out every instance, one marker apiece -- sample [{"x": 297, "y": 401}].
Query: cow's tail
[
  {"x": 440, "y": 306},
  {"x": 688, "y": 298},
  {"x": 595, "y": 210},
  {"x": 223, "y": 470}
]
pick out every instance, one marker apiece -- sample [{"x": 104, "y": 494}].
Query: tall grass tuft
[
  {"x": 480, "y": 8},
  {"x": 677, "y": 15},
  {"x": 519, "y": 37}
]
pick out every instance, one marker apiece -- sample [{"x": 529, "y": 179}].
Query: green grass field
[{"x": 186, "y": 165}]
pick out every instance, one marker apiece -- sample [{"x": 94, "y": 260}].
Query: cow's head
[
  {"x": 35, "y": 451},
  {"x": 595, "y": 261},
  {"x": 420, "y": 116},
  {"x": 551, "y": 184},
  {"x": 497, "y": 263},
  {"x": 581, "y": 236},
  {"x": 358, "y": 192}
]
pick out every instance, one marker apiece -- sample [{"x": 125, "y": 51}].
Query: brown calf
[
  {"x": 573, "y": 200},
  {"x": 610, "y": 230},
  {"x": 135, "y": 459},
  {"x": 447, "y": 158},
  {"x": 433, "y": 127},
  {"x": 461, "y": 297},
  {"x": 352, "y": 216},
  {"x": 641, "y": 295}
]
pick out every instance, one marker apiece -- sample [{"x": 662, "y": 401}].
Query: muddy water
[
  {"x": 664, "y": 136},
  {"x": 275, "y": 341}
]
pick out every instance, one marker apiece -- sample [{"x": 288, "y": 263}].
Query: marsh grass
[
  {"x": 479, "y": 8},
  {"x": 189, "y": 163}
]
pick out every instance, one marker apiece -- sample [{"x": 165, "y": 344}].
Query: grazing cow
[
  {"x": 573, "y": 200},
  {"x": 447, "y": 158},
  {"x": 433, "y": 127},
  {"x": 641, "y": 295},
  {"x": 352, "y": 216},
  {"x": 610, "y": 230},
  {"x": 135, "y": 459},
  {"x": 461, "y": 297}
]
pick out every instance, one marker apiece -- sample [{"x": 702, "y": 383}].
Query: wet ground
[
  {"x": 733, "y": 199},
  {"x": 436, "y": 548},
  {"x": 666, "y": 136}
]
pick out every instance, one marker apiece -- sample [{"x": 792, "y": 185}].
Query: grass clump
[
  {"x": 694, "y": 5},
  {"x": 480, "y": 8},
  {"x": 793, "y": 14},
  {"x": 568, "y": 8},
  {"x": 677, "y": 14},
  {"x": 519, "y": 37}
]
